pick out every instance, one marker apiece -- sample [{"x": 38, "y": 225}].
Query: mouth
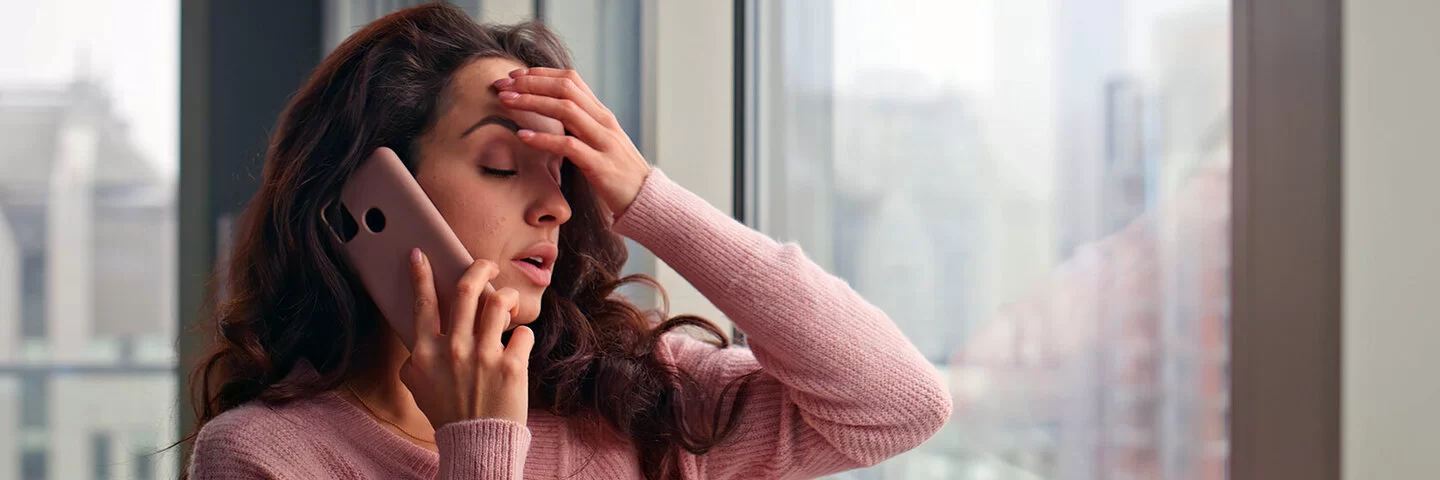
[{"x": 537, "y": 262}]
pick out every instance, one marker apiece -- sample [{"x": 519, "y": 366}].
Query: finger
[
  {"x": 467, "y": 298},
  {"x": 572, "y": 75},
  {"x": 577, "y": 151},
  {"x": 426, "y": 316},
  {"x": 575, "y": 118},
  {"x": 500, "y": 307},
  {"x": 522, "y": 340},
  {"x": 563, "y": 88}
]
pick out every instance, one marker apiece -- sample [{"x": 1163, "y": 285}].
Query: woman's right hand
[{"x": 468, "y": 374}]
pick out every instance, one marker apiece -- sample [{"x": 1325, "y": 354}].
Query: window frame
[{"x": 1286, "y": 242}]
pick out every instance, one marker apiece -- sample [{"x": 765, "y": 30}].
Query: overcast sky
[{"x": 130, "y": 47}]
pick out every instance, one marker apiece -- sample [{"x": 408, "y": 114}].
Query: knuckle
[
  {"x": 488, "y": 360},
  {"x": 420, "y": 358},
  {"x": 602, "y": 143},
  {"x": 457, "y": 350},
  {"x": 502, "y": 297},
  {"x": 423, "y": 304},
  {"x": 568, "y": 87},
  {"x": 487, "y": 266},
  {"x": 571, "y": 108},
  {"x": 571, "y": 143},
  {"x": 468, "y": 288},
  {"x": 514, "y": 365}
]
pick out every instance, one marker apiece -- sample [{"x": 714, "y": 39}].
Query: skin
[
  {"x": 496, "y": 216},
  {"x": 465, "y": 169}
]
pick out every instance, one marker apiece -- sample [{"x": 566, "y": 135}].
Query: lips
[{"x": 537, "y": 262}]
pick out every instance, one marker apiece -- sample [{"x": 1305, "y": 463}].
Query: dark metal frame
[
  {"x": 233, "y": 84},
  {"x": 743, "y": 143},
  {"x": 1286, "y": 284}
]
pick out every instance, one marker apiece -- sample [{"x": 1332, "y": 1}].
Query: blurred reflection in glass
[{"x": 1038, "y": 193}]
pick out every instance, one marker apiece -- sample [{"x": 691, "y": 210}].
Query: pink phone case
[{"x": 393, "y": 215}]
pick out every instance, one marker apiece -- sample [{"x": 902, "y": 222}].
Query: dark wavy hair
[{"x": 288, "y": 293}]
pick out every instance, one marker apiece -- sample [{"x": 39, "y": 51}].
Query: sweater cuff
[
  {"x": 482, "y": 449},
  {"x": 648, "y": 206}
]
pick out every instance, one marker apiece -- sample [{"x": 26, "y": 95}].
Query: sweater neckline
[{"x": 367, "y": 432}]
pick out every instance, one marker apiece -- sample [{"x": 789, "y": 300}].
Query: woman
[{"x": 309, "y": 381}]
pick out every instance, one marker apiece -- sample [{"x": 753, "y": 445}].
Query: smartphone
[{"x": 382, "y": 213}]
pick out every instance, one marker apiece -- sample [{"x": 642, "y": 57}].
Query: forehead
[{"x": 472, "y": 96}]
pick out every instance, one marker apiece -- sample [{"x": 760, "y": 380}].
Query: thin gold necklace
[{"x": 381, "y": 418}]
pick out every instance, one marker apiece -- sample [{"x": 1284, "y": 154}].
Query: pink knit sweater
[{"x": 842, "y": 388}]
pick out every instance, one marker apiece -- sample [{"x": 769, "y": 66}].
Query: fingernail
[
  {"x": 509, "y": 95},
  {"x": 525, "y": 133},
  {"x": 519, "y": 72},
  {"x": 415, "y": 257},
  {"x": 504, "y": 82}
]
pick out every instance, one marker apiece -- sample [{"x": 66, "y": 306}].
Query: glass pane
[
  {"x": 344, "y": 17},
  {"x": 1037, "y": 192},
  {"x": 89, "y": 98}
]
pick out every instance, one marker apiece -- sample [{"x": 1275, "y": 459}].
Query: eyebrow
[{"x": 493, "y": 120}]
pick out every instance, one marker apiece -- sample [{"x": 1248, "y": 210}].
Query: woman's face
[{"x": 501, "y": 197}]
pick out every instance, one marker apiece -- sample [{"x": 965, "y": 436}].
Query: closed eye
[{"x": 499, "y": 173}]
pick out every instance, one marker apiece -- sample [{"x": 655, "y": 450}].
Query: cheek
[
  {"x": 483, "y": 233},
  {"x": 470, "y": 212}
]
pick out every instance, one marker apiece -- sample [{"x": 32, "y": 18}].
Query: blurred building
[
  {"x": 1043, "y": 210},
  {"x": 1116, "y": 366},
  {"x": 87, "y": 291}
]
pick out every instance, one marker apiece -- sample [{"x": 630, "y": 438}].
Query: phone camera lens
[
  {"x": 375, "y": 220},
  {"x": 341, "y": 223}
]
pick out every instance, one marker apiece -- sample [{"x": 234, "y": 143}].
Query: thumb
[{"x": 522, "y": 340}]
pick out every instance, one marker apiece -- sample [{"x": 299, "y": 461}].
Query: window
[
  {"x": 32, "y": 300},
  {"x": 143, "y": 465},
  {"x": 89, "y": 104},
  {"x": 33, "y": 463},
  {"x": 34, "y": 402},
  {"x": 1037, "y": 193},
  {"x": 100, "y": 455}
]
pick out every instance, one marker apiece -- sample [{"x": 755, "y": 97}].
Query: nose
[{"x": 550, "y": 209}]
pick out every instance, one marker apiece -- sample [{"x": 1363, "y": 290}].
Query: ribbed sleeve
[{"x": 842, "y": 387}]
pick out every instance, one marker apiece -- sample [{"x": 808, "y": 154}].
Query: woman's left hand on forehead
[{"x": 599, "y": 147}]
